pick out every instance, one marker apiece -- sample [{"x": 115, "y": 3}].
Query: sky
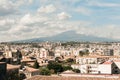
[{"x": 26, "y": 19}]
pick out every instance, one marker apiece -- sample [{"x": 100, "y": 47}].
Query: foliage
[
  {"x": 81, "y": 53},
  {"x": 76, "y": 70},
  {"x": 52, "y": 71},
  {"x": 45, "y": 71},
  {"x": 55, "y": 66},
  {"x": 22, "y": 76},
  {"x": 65, "y": 68},
  {"x": 70, "y": 60},
  {"x": 85, "y": 52},
  {"x": 19, "y": 54},
  {"x": 13, "y": 76},
  {"x": 57, "y": 59},
  {"x": 36, "y": 65}
]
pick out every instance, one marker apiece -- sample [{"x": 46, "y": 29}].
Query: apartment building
[{"x": 108, "y": 67}]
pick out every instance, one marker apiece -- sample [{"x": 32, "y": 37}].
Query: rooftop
[
  {"x": 38, "y": 77},
  {"x": 108, "y": 62},
  {"x": 68, "y": 72},
  {"x": 99, "y": 57},
  {"x": 9, "y": 66},
  {"x": 2, "y": 62},
  {"x": 30, "y": 69}
]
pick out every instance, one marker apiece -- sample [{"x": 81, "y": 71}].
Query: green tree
[
  {"x": 81, "y": 53},
  {"x": 70, "y": 60},
  {"x": 57, "y": 59},
  {"x": 65, "y": 68},
  {"x": 36, "y": 65},
  {"x": 45, "y": 71},
  {"x": 55, "y": 66},
  {"x": 76, "y": 70},
  {"x": 22, "y": 76},
  {"x": 84, "y": 52},
  {"x": 13, "y": 76}
]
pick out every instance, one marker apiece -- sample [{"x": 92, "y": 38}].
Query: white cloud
[
  {"x": 63, "y": 16},
  {"x": 26, "y": 19},
  {"x": 47, "y": 9},
  {"x": 103, "y": 4},
  {"x": 7, "y": 7},
  {"x": 83, "y": 10},
  {"x": 106, "y": 31},
  {"x": 6, "y": 24},
  {"x": 30, "y": 1},
  {"x": 34, "y": 23}
]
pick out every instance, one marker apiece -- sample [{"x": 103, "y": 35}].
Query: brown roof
[
  {"x": 116, "y": 60},
  {"x": 9, "y": 66},
  {"x": 27, "y": 60},
  {"x": 108, "y": 62},
  {"x": 30, "y": 69},
  {"x": 67, "y": 78},
  {"x": 98, "y": 56},
  {"x": 2, "y": 62}
]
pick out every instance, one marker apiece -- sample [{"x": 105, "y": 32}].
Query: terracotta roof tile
[{"x": 67, "y": 78}]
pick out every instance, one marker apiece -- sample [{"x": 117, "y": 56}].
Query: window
[
  {"x": 116, "y": 72},
  {"x": 116, "y": 67}
]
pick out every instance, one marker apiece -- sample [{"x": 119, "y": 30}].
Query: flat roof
[
  {"x": 9, "y": 66},
  {"x": 30, "y": 69},
  {"x": 38, "y": 77}
]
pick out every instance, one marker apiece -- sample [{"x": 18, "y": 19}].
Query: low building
[
  {"x": 12, "y": 69},
  {"x": 29, "y": 72}
]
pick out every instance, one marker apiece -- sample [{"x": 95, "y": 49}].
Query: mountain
[{"x": 69, "y": 36}]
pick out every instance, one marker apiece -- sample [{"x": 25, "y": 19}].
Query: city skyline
[{"x": 26, "y": 19}]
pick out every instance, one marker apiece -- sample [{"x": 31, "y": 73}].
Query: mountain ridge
[{"x": 69, "y": 36}]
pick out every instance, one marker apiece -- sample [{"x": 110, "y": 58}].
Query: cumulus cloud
[
  {"x": 7, "y": 7},
  {"x": 63, "y": 16},
  {"x": 47, "y": 9},
  {"x": 83, "y": 10},
  {"x": 106, "y": 31},
  {"x": 48, "y": 20},
  {"x": 6, "y": 24},
  {"x": 103, "y": 4}
]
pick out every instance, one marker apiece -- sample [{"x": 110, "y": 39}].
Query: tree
[
  {"x": 13, "y": 76},
  {"x": 52, "y": 71},
  {"x": 22, "y": 76},
  {"x": 65, "y": 68},
  {"x": 55, "y": 66},
  {"x": 81, "y": 53},
  {"x": 70, "y": 60},
  {"x": 84, "y": 52},
  {"x": 19, "y": 54},
  {"x": 36, "y": 65},
  {"x": 57, "y": 59},
  {"x": 76, "y": 70},
  {"x": 45, "y": 71}
]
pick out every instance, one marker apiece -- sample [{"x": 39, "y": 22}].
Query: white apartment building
[
  {"x": 42, "y": 53},
  {"x": 76, "y": 66},
  {"x": 91, "y": 59},
  {"x": 107, "y": 67}
]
